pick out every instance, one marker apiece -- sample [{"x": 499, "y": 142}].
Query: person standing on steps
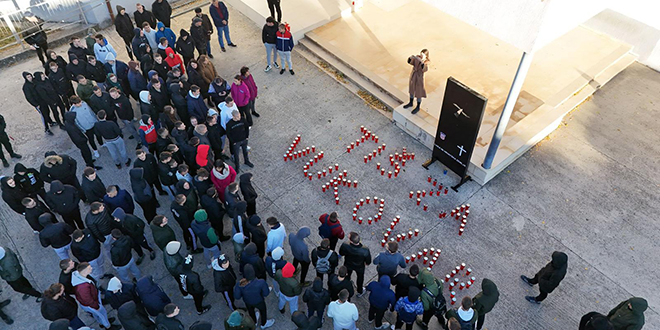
[
  {"x": 220, "y": 16},
  {"x": 273, "y": 6},
  {"x": 416, "y": 84},
  {"x": 12, "y": 272},
  {"x": 284, "y": 47},
  {"x": 269, "y": 38},
  {"x": 4, "y": 141},
  {"x": 549, "y": 277},
  {"x": 485, "y": 300}
]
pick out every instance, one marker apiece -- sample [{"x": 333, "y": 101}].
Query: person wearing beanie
[
  {"x": 388, "y": 261},
  {"x": 12, "y": 272},
  {"x": 381, "y": 298},
  {"x": 238, "y": 241},
  {"x": 152, "y": 296},
  {"x": 273, "y": 263},
  {"x": 317, "y": 298},
  {"x": 118, "y": 293},
  {"x": 65, "y": 199},
  {"x": 629, "y": 314},
  {"x": 239, "y": 220},
  {"x": 207, "y": 236},
  {"x": 485, "y": 300},
  {"x": 549, "y": 277},
  {"x": 253, "y": 291},
  {"x": 290, "y": 288},
  {"x": 239, "y": 320},
  {"x": 403, "y": 282},
  {"x": 300, "y": 252},
  {"x": 134, "y": 228},
  {"x": 344, "y": 314},
  {"x": 464, "y": 314},
  {"x": 305, "y": 323},
  {"x": 250, "y": 257},
  {"x": 57, "y": 235},
  {"x": 595, "y": 321},
  {"x": 408, "y": 308},
  {"x": 276, "y": 235},
  {"x": 224, "y": 279},
  {"x": 132, "y": 319},
  {"x": 193, "y": 285},
  {"x": 324, "y": 259},
  {"x": 174, "y": 265},
  {"x": 257, "y": 234},
  {"x": 340, "y": 281}
]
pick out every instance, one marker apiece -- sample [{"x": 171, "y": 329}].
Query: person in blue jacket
[
  {"x": 152, "y": 296},
  {"x": 387, "y": 262},
  {"x": 381, "y": 298},
  {"x": 163, "y": 31},
  {"x": 116, "y": 197},
  {"x": 253, "y": 291},
  {"x": 196, "y": 106},
  {"x": 220, "y": 16}
]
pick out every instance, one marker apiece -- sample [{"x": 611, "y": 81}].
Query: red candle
[
  {"x": 426, "y": 207},
  {"x": 389, "y": 174},
  {"x": 362, "y": 129},
  {"x": 423, "y": 193},
  {"x": 382, "y": 243},
  {"x": 345, "y": 172},
  {"x": 447, "y": 278},
  {"x": 323, "y": 187},
  {"x": 411, "y": 194},
  {"x": 419, "y": 255},
  {"x": 368, "y": 199},
  {"x": 392, "y": 224},
  {"x": 313, "y": 148},
  {"x": 426, "y": 260},
  {"x": 337, "y": 200},
  {"x": 453, "y": 301},
  {"x": 354, "y": 216},
  {"x": 362, "y": 138},
  {"x": 382, "y": 171},
  {"x": 321, "y": 154},
  {"x": 429, "y": 179},
  {"x": 403, "y": 162},
  {"x": 378, "y": 166},
  {"x": 461, "y": 286},
  {"x": 355, "y": 182},
  {"x": 418, "y": 200},
  {"x": 361, "y": 201},
  {"x": 446, "y": 191},
  {"x": 431, "y": 264},
  {"x": 309, "y": 175},
  {"x": 369, "y": 220},
  {"x": 413, "y": 256},
  {"x": 407, "y": 258},
  {"x": 462, "y": 266},
  {"x": 419, "y": 194},
  {"x": 468, "y": 271},
  {"x": 412, "y": 156},
  {"x": 285, "y": 156},
  {"x": 410, "y": 234},
  {"x": 329, "y": 169},
  {"x": 467, "y": 206},
  {"x": 398, "y": 237},
  {"x": 416, "y": 232},
  {"x": 383, "y": 146},
  {"x": 376, "y": 139},
  {"x": 360, "y": 220},
  {"x": 396, "y": 156},
  {"x": 357, "y": 143},
  {"x": 453, "y": 273},
  {"x": 460, "y": 232},
  {"x": 425, "y": 251}
]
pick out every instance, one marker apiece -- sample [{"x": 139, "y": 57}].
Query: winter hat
[
  {"x": 288, "y": 270},
  {"x": 222, "y": 258},
  {"x": 2, "y": 252},
  {"x": 196, "y": 19},
  {"x": 109, "y": 57},
  {"x": 277, "y": 253},
  {"x": 50, "y": 153},
  {"x": 114, "y": 284},
  {"x": 201, "y": 216},
  {"x": 173, "y": 247},
  {"x": 239, "y": 238},
  {"x": 235, "y": 319},
  {"x": 248, "y": 272},
  {"x": 254, "y": 220},
  {"x": 413, "y": 294}
]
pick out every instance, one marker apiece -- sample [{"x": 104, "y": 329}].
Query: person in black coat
[
  {"x": 159, "y": 97},
  {"x": 92, "y": 185},
  {"x": 356, "y": 258},
  {"x": 322, "y": 252},
  {"x": 138, "y": 40},
  {"x": 64, "y": 199},
  {"x": 101, "y": 100},
  {"x": 132, "y": 319},
  {"x": 63, "y": 87},
  {"x": 56, "y": 235},
  {"x": 118, "y": 198},
  {"x": 199, "y": 35},
  {"x": 49, "y": 97},
  {"x": 87, "y": 249},
  {"x": 33, "y": 209},
  {"x": 549, "y": 277},
  {"x": 76, "y": 67},
  {"x": 179, "y": 101},
  {"x": 59, "y": 167},
  {"x": 238, "y": 133},
  {"x": 59, "y": 305},
  {"x": 317, "y": 298},
  {"x": 224, "y": 279},
  {"x": 258, "y": 234},
  {"x": 162, "y": 11},
  {"x": 79, "y": 49},
  {"x": 142, "y": 15},
  {"x": 340, "y": 281},
  {"x": 29, "y": 181},
  {"x": 215, "y": 135},
  {"x": 152, "y": 296},
  {"x": 143, "y": 194},
  {"x": 134, "y": 227},
  {"x": 95, "y": 70},
  {"x": 13, "y": 195},
  {"x": 118, "y": 293},
  {"x": 124, "y": 27},
  {"x": 34, "y": 35},
  {"x": 31, "y": 95},
  {"x": 79, "y": 139},
  {"x": 211, "y": 202},
  {"x": 249, "y": 193},
  {"x": 193, "y": 285},
  {"x": 54, "y": 58},
  {"x": 149, "y": 163},
  {"x": 249, "y": 256},
  {"x": 185, "y": 46}
]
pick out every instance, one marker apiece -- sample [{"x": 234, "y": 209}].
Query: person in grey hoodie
[
  {"x": 85, "y": 120},
  {"x": 386, "y": 262},
  {"x": 300, "y": 252}
]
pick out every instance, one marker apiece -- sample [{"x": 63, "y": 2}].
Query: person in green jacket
[
  {"x": 239, "y": 320},
  {"x": 161, "y": 232},
  {"x": 432, "y": 289},
  {"x": 485, "y": 300},
  {"x": 465, "y": 314},
  {"x": 12, "y": 272},
  {"x": 629, "y": 314},
  {"x": 85, "y": 88},
  {"x": 290, "y": 287}
]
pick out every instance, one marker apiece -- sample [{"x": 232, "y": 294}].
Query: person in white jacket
[
  {"x": 343, "y": 313},
  {"x": 102, "y": 48}
]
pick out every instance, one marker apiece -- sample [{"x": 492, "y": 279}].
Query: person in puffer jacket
[
  {"x": 253, "y": 291},
  {"x": 152, "y": 296},
  {"x": 207, "y": 236},
  {"x": 290, "y": 288},
  {"x": 317, "y": 299},
  {"x": 407, "y": 309},
  {"x": 224, "y": 279},
  {"x": 381, "y": 298}
]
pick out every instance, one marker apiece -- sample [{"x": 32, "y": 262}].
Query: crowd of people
[{"x": 191, "y": 121}]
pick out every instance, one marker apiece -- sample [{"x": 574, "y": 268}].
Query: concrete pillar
[{"x": 510, "y": 103}]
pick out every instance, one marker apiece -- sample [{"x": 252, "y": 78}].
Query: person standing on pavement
[
  {"x": 381, "y": 298},
  {"x": 253, "y": 291},
  {"x": 258, "y": 234},
  {"x": 131, "y": 319},
  {"x": 549, "y": 277},
  {"x": 356, "y": 258},
  {"x": 216, "y": 212},
  {"x": 464, "y": 314},
  {"x": 276, "y": 235},
  {"x": 340, "y": 281},
  {"x": 92, "y": 186},
  {"x": 149, "y": 164},
  {"x": 239, "y": 320},
  {"x": 142, "y": 15},
  {"x": 174, "y": 264},
  {"x": 64, "y": 199},
  {"x": 317, "y": 299},
  {"x": 124, "y": 27},
  {"x": 79, "y": 139},
  {"x": 207, "y": 236},
  {"x": 57, "y": 304},
  {"x": 152, "y": 296},
  {"x": 248, "y": 80},
  {"x": 162, "y": 11},
  {"x": 56, "y": 235},
  {"x": 124, "y": 110},
  {"x": 343, "y": 313},
  {"x": 85, "y": 120},
  {"x": 49, "y": 97},
  {"x": 249, "y": 193},
  {"x": 387, "y": 262},
  {"x": 273, "y": 263},
  {"x": 629, "y": 314},
  {"x": 87, "y": 249},
  {"x": 331, "y": 229},
  {"x": 403, "y": 282},
  {"x": 118, "y": 198},
  {"x": 122, "y": 256},
  {"x": 193, "y": 285},
  {"x": 31, "y": 95},
  {"x": 4, "y": 141},
  {"x": 12, "y": 272},
  {"x": 13, "y": 195},
  {"x": 67, "y": 266},
  {"x": 101, "y": 50},
  {"x": 595, "y": 321},
  {"x": 99, "y": 223},
  {"x": 134, "y": 227},
  {"x": 324, "y": 259},
  {"x": 431, "y": 292},
  {"x": 207, "y": 29},
  {"x": 300, "y": 252},
  {"x": 33, "y": 209},
  {"x": 485, "y": 300},
  {"x": 240, "y": 93},
  {"x": 224, "y": 279},
  {"x": 274, "y": 5},
  {"x": 89, "y": 296},
  {"x": 143, "y": 193},
  {"x": 284, "y": 47},
  {"x": 114, "y": 139},
  {"x": 238, "y": 132},
  {"x": 220, "y": 16},
  {"x": 408, "y": 308},
  {"x": 167, "y": 319},
  {"x": 269, "y": 38},
  {"x": 290, "y": 288},
  {"x": 161, "y": 231},
  {"x": 60, "y": 167}
]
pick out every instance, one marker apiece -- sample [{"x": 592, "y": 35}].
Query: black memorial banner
[{"x": 460, "y": 119}]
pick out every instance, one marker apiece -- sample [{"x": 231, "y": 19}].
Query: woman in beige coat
[
  {"x": 207, "y": 71},
  {"x": 416, "y": 84}
]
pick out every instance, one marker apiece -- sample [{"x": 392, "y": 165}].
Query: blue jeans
[
  {"x": 97, "y": 267},
  {"x": 117, "y": 150},
  {"x": 63, "y": 252},
  {"x": 122, "y": 271},
  {"x": 223, "y": 30},
  {"x": 213, "y": 251},
  {"x": 293, "y": 303},
  {"x": 270, "y": 48},
  {"x": 100, "y": 315},
  {"x": 208, "y": 47},
  {"x": 128, "y": 124}
]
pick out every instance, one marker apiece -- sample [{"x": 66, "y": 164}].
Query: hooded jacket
[
  {"x": 239, "y": 320},
  {"x": 204, "y": 158},
  {"x": 166, "y": 32},
  {"x": 103, "y": 102},
  {"x": 93, "y": 190},
  {"x": 289, "y": 285},
  {"x": 409, "y": 306},
  {"x": 100, "y": 224},
  {"x": 304, "y": 323},
  {"x": 159, "y": 98},
  {"x": 284, "y": 41},
  {"x": 625, "y": 318},
  {"x": 231, "y": 199},
  {"x": 10, "y": 267},
  {"x": 214, "y": 209},
  {"x": 30, "y": 91},
  {"x": 125, "y": 293},
  {"x": 173, "y": 263},
  {"x": 85, "y": 290},
  {"x": 247, "y": 190},
  {"x": 250, "y": 256},
  {"x": 62, "y": 198},
  {"x": 152, "y": 296},
  {"x": 196, "y": 106},
  {"x": 87, "y": 249},
  {"x": 190, "y": 280},
  {"x": 381, "y": 296},
  {"x": 150, "y": 167},
  {"x": 254, "y": 291},
  {"x": 60, "y": 80},
  {"x": 85, "y": 91},
  {"x": 202, "y": 229},
  {"x": 222, "y": 180},
  {"x": 77, "y": 136},
  {"x": 276, "y": 237},
  {"x": 142, "y": 191},
  {"x": 335, "y": 285},
  {"x": 355, "y": 256},
  {"x": 97, "y": 71},
  {"x": 120, "y": 252},
  {"x": 174, "y": 60},
  {"x": 85, "y": 117},
  {"x": 144, "y": 16},
  {"x": 162, "y": 11},
  {"x": 122, "y": 200},
  {"x": 251, "y": 85},
  {"x": 257, "y": 231},
  {"x": 45, "y": 88},
  {"x": 123, "y": 24},
  {"x": 32, "y": 215},
  {"x": 595, "y": 321},
  {"x": 162, "y": 235},
  {"x": 199, "y": 36},
  {"x": 78, "y": 52},
  {"x": 132, "y": 320},
  {"x": 299, "y": 249},
  {"x": 268, "y": 34},
  {"x": 56, "y": 235},
  {"x": 74, "y": 70},
  {"x": 136, "y": 43},
  {"x": 185, "y": 47},
  {"x": 240, "y": 94},
  {"x": 13, "y": 196},
  {"x": 130, "y": 224},
  {"x": 239, "y": 221},
  {"x": 551, "y": 275},
  {"x": 136, "y": 81},
  {"x": 485, "y": 300},
  {"x": 223, "y": 279},
  {"x": 387, "y": 263},
  {"x": 59, "y": 167},
  {"x": 321, "y": 252},
  {"x": 29, "y": 182},
  {"x": 429, "y": 282},
  {"x": 316, "y": 297},
  {"x": 64, "y": 307}
]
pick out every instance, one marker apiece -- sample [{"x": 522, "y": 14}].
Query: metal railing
[{"x": 18, "y": 23}]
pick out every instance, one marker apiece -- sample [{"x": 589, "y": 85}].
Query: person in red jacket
[
  {"x": 89, "y": 296},
  {"x": 222, "y": 175},
  {"x": 147, "y": 131},
  {"x": 174, "y": 60},
  {"x": 330, "y": 225}
]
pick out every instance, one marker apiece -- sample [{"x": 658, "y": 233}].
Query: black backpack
[
  {"x": 325, "y": 230},
  {"x": 439, "y": 306}
]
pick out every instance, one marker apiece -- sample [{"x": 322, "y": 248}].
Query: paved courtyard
[{"x": 589, "y": 190}]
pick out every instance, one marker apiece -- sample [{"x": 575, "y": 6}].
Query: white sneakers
[
  {"x": 269, "y": 323},
  {"x": 95, "y": 153},
  {"x": 267, "y": 68},
  {"x": 188, "y": 297}
]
